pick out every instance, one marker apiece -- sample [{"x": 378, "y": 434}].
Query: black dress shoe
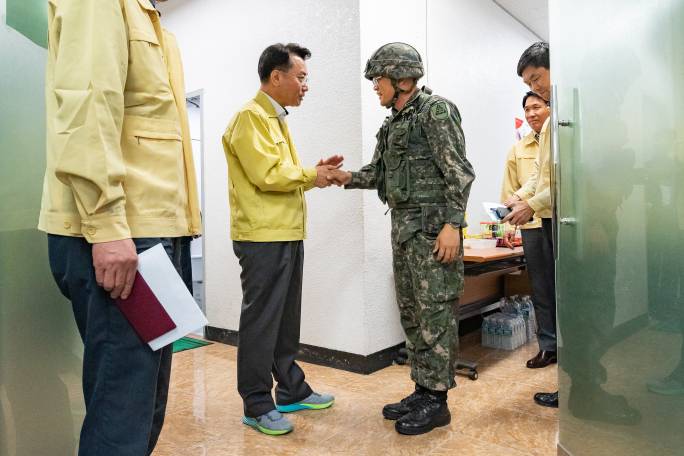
[
  {"x": 430, "y": 412},
  {"x": 547, "y": 399},
  {"x": 599, "y": 405},
  {"x": 543, "y": 359},
  {"x": 401, "y": 408}
]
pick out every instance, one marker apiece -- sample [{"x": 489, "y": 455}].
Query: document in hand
[
  {"x": 495, "y": 211},
  {"x": 161, "y": 276}
]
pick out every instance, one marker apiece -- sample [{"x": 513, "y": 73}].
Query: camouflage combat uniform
[{"x": 420, "y": 170}]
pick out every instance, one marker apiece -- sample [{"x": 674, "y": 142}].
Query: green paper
[{"x": 188, "y": 343}]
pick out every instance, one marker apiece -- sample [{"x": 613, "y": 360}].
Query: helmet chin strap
[{"x": 397, "y": 91}]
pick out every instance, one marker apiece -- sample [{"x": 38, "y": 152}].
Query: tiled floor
[{"x": 492, "y": 416}]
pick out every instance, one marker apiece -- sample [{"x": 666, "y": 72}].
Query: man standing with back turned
[
  {"x": 267, "y": 226},
  {"x": 421, "y": 172},
  {"x": 119, "y": 180}
]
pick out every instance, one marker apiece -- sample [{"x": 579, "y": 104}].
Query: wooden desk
[
  {"x": 485, "y": 270},
  {"x": 497, "y": 253}
]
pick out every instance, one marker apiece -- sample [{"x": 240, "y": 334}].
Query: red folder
[{"x": 144, "y": 312}]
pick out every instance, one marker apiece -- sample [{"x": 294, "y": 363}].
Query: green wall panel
[
  {"x": 29, "y": 17},
  {"x": 41, "y": 404}
]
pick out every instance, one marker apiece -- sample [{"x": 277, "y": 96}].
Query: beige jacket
[
  {"x": 537, "y": 189},
  {"x": 119, "y": 157},
  {"x": 520, "y": 165}
]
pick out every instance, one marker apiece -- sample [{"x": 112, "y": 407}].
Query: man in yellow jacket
[
  {"x": 267, "y": 226},
  {"x": 119, "y": 180},
  {"x": 520, "y": 166},
  {"x": 534, "y": 198},
  {"x": 585, "y": 342}
]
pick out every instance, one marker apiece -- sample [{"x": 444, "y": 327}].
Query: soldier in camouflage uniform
[{"x": 421, "y": 172}]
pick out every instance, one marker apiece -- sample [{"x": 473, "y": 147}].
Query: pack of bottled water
[
  {"x": 512, "y": 327},
  {"x": 503, "y": 331},
  {"x": 522, "y": 305}
]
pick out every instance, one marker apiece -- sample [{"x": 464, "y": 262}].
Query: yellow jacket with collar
[
  {"x": 119, "y": 156},
  {"x": 266, "y": 182},
  {"x": 519, "y": 167},
  {"x": 537, "y": 189}
]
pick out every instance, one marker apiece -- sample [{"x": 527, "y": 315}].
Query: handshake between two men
[
  {"x": 446, "y": 246},
  {"x": 329, "y": 172}
]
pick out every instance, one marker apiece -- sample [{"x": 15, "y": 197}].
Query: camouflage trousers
[{"x": 427, "y": 295}]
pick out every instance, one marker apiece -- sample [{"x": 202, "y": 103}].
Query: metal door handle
[
  {"x": 565, "y": 123},
  {"x": 568, "y": 221}
]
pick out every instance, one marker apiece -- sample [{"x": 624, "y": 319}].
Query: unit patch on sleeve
[{"x": 440, "y": 111}]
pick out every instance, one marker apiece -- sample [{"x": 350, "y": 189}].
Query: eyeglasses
[
  {"x": 302, "y": 78},
  {"x": 376, "y": 81}
]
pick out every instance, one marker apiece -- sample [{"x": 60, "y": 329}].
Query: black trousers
[
  {"x": 538, "y": 245},
  {"x": 268, "y": 339},
  {"x": 588, "y": 319},
  {"x": 125, "y": 383}
]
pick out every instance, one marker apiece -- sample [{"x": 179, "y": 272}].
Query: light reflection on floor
[{"x": 494, "y": 415}]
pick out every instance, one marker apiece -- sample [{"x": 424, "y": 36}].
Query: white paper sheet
[
  {"x": 489, "y": 209},
  {"x": 163, "y": 279}
]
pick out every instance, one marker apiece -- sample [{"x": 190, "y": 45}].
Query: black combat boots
[
  {"x": 427, "y": 413},
  {"x": 401, "y": 408}
]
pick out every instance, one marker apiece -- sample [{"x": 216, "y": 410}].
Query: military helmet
[{"x": 395, "y": 61}]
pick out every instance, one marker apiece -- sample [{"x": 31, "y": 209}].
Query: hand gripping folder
[{"x": 160, "y": 308}]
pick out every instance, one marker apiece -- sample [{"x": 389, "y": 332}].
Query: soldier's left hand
[{"x": 448, "y": 244}]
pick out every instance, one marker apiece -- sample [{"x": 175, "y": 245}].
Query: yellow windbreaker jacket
[
  {"x": 119, "y": 156},
  {"x": 266, "y": 182}
]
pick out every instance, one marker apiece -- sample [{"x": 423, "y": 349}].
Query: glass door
[
  {"x": 41, "y": 403},
  {"x": 618, "y": 72}
]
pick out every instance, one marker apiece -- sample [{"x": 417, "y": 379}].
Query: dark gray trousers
[
  {"x": 268, "y": 339},
  {"x": 538, "y": 245}
]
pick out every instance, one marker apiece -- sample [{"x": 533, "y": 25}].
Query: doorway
[{"x": 193, "y": 103}]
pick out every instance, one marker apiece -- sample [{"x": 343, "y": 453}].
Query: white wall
[
  {"x": 402, "y": 20},
  {"x": 449, "y": 35},
  {"x": 348, "y": 301},
  {"x": 473, "y": 50},
  {"x": 221, "y": 41}
]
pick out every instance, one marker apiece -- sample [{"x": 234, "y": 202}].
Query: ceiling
[{"x": 533, "y": 14}]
